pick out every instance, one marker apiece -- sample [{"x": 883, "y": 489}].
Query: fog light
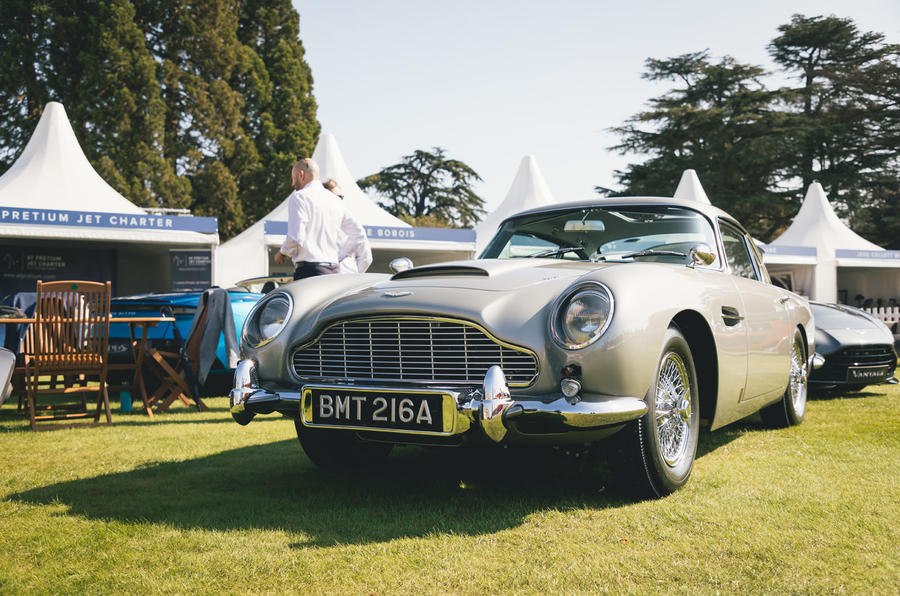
[{"x": 570, "y": 387}]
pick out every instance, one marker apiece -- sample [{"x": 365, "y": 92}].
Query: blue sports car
[{"x": 183, "y": 305}]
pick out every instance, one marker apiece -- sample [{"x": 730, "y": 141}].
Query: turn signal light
[{"x": 570, "y": 387}]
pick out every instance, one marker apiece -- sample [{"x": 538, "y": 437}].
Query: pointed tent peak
[
  {"x": 331, "y": 161},
  {"x": 53, "y": 173},
  {"x": 817, "y": 206},
  {"x": 332, "y": 165},
  {"x": 529, "y": 188},
  {"x": 527, "y": 191},
  {"x": 816, "y": 224},
  {"x": 690, "y": 189}
]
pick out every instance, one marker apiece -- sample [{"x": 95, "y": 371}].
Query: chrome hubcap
[
  {"x": 799, "y": 374},
  {"x": 673, "y": 409}
]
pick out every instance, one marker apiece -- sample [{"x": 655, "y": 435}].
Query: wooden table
[{"x": 138, "y": 351}]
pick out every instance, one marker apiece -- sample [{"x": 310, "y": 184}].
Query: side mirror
[
  {"x": 401, "y": 264},
  {"x": 702, "y": 254}
]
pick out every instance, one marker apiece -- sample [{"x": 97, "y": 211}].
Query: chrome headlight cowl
[
  {"x": 581, "y": 315},
  {"x": 267, "y": 319}
]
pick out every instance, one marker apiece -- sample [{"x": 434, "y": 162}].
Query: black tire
[
  {"x": 790, "y": 409},
  {"x": 653, "y": 456},
  {"x": 339, "y": 449}
]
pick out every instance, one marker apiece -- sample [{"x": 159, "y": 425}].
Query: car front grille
[
  {"x": 836, "y": 364},
  {"x": 411, "y": 349}
]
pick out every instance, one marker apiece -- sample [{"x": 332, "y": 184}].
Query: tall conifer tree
[{"x": 202, "y": 104}]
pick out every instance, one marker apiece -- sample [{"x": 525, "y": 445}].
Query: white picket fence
[{"x": 889, "y": 314}]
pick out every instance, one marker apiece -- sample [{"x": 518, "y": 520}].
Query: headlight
[
  {"x": 582, "y": 315},
  {"x": 267, "y": 320}
]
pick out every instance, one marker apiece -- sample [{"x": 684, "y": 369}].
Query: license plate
[
  {"x": 867, "y": 373},
  {"x": 377, "y": 409}
]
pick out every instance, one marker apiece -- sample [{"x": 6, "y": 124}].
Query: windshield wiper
[
  {"x": 653, "y": 253},
  {"x": 552, "y": 252}
]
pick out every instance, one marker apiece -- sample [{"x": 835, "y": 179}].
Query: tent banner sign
[
  {"x": 191, "y": 269},
  {"x": 279, "y": 228},
  {"x": 794, "y": 251},
  {"x": 131, "y": 221},
  {"x": 842, "y": 253}
]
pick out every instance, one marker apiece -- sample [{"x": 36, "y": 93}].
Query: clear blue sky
[{"x": 492, "y": 81}]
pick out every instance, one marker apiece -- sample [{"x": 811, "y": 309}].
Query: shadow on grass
[
  {"x": 821, "y": 395},
  {"x": 415, "y": 492},
  {"x": 13, "y": 421},
  {"x": 710, "y": 441}
]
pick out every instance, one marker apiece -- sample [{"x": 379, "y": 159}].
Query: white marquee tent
[
  {"x": 794, "y": 263},
  {"x": 527, "y": 191},
  {"x": 251, "y": 253},
  {"x": 332, "y": 165},
  {"x": 845, "y": 261},
  {"x": 51, "y": 198}
]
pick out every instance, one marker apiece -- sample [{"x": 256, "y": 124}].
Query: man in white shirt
[
  {"x": 321, "y": 231},
  {"x": 347, "y": 265}
]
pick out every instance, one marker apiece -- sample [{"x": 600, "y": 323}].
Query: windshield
[{"x": 605, "y": 233}]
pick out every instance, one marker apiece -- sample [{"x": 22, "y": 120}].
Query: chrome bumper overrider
[{"x": 490, "y": 407}]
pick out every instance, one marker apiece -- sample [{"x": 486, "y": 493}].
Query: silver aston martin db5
[{"x": 628, "y": 323}]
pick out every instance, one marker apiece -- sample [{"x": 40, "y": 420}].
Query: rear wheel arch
[
  {"x": 805, "y": 339},
  {"x": 706, "y": 362}
]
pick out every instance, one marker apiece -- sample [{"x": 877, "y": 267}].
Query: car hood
[
  {"x": 849, "y": 326},
  {"x": 487, "y": 291},
  {"x": 494, "y": 275},
  {"x": 849, "y": 337}
]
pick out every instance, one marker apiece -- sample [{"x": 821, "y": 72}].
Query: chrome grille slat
[{"x": 414, "y": 349}]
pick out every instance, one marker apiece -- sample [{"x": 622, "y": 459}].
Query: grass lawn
[{"x": 191, "y": 502}]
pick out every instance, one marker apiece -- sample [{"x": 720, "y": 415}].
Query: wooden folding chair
[
  {"x": 66, "y": 352},
  {"x": 176, "y": 370}
]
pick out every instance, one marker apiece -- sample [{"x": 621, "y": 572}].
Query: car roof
[{"x": 708, "y": 210}]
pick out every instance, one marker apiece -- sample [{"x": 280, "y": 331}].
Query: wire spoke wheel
[
  {"x": 791, "y": 408},
  {"x": 673, "y": 409},
  {"x": 799, "y": 375}
]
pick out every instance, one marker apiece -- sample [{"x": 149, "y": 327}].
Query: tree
[
  {"x": 429, "y": 185},
  {"x": 280, "y": 108},
  {"x": 718, "y": 120},
  {"x": 758, "y": 149},
  {"x": 842, "y": 121},
  {"x": 202, "y": 104}
]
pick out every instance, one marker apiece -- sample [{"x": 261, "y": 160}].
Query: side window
[{"x": 738, "y": 254}]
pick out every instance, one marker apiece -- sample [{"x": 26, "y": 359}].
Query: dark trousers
[{"x": 311, "y": 269}]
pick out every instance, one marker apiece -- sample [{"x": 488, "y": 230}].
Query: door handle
[
  {"x": 731, "y": 316},
  {"x": 783, "y": 299}
]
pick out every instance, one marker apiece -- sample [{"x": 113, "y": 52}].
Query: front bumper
[{"x": 489, "y": 409}]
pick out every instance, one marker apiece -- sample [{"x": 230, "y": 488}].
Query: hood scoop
[{"x": 442, "y": 271}]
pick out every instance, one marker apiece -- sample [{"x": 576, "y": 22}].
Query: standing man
[{"x": 321, "y": 231}]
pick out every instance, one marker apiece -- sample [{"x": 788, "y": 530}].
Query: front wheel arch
[
  {"x": 653, "y": 456},
  {"x": 699, "y": 336}
]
